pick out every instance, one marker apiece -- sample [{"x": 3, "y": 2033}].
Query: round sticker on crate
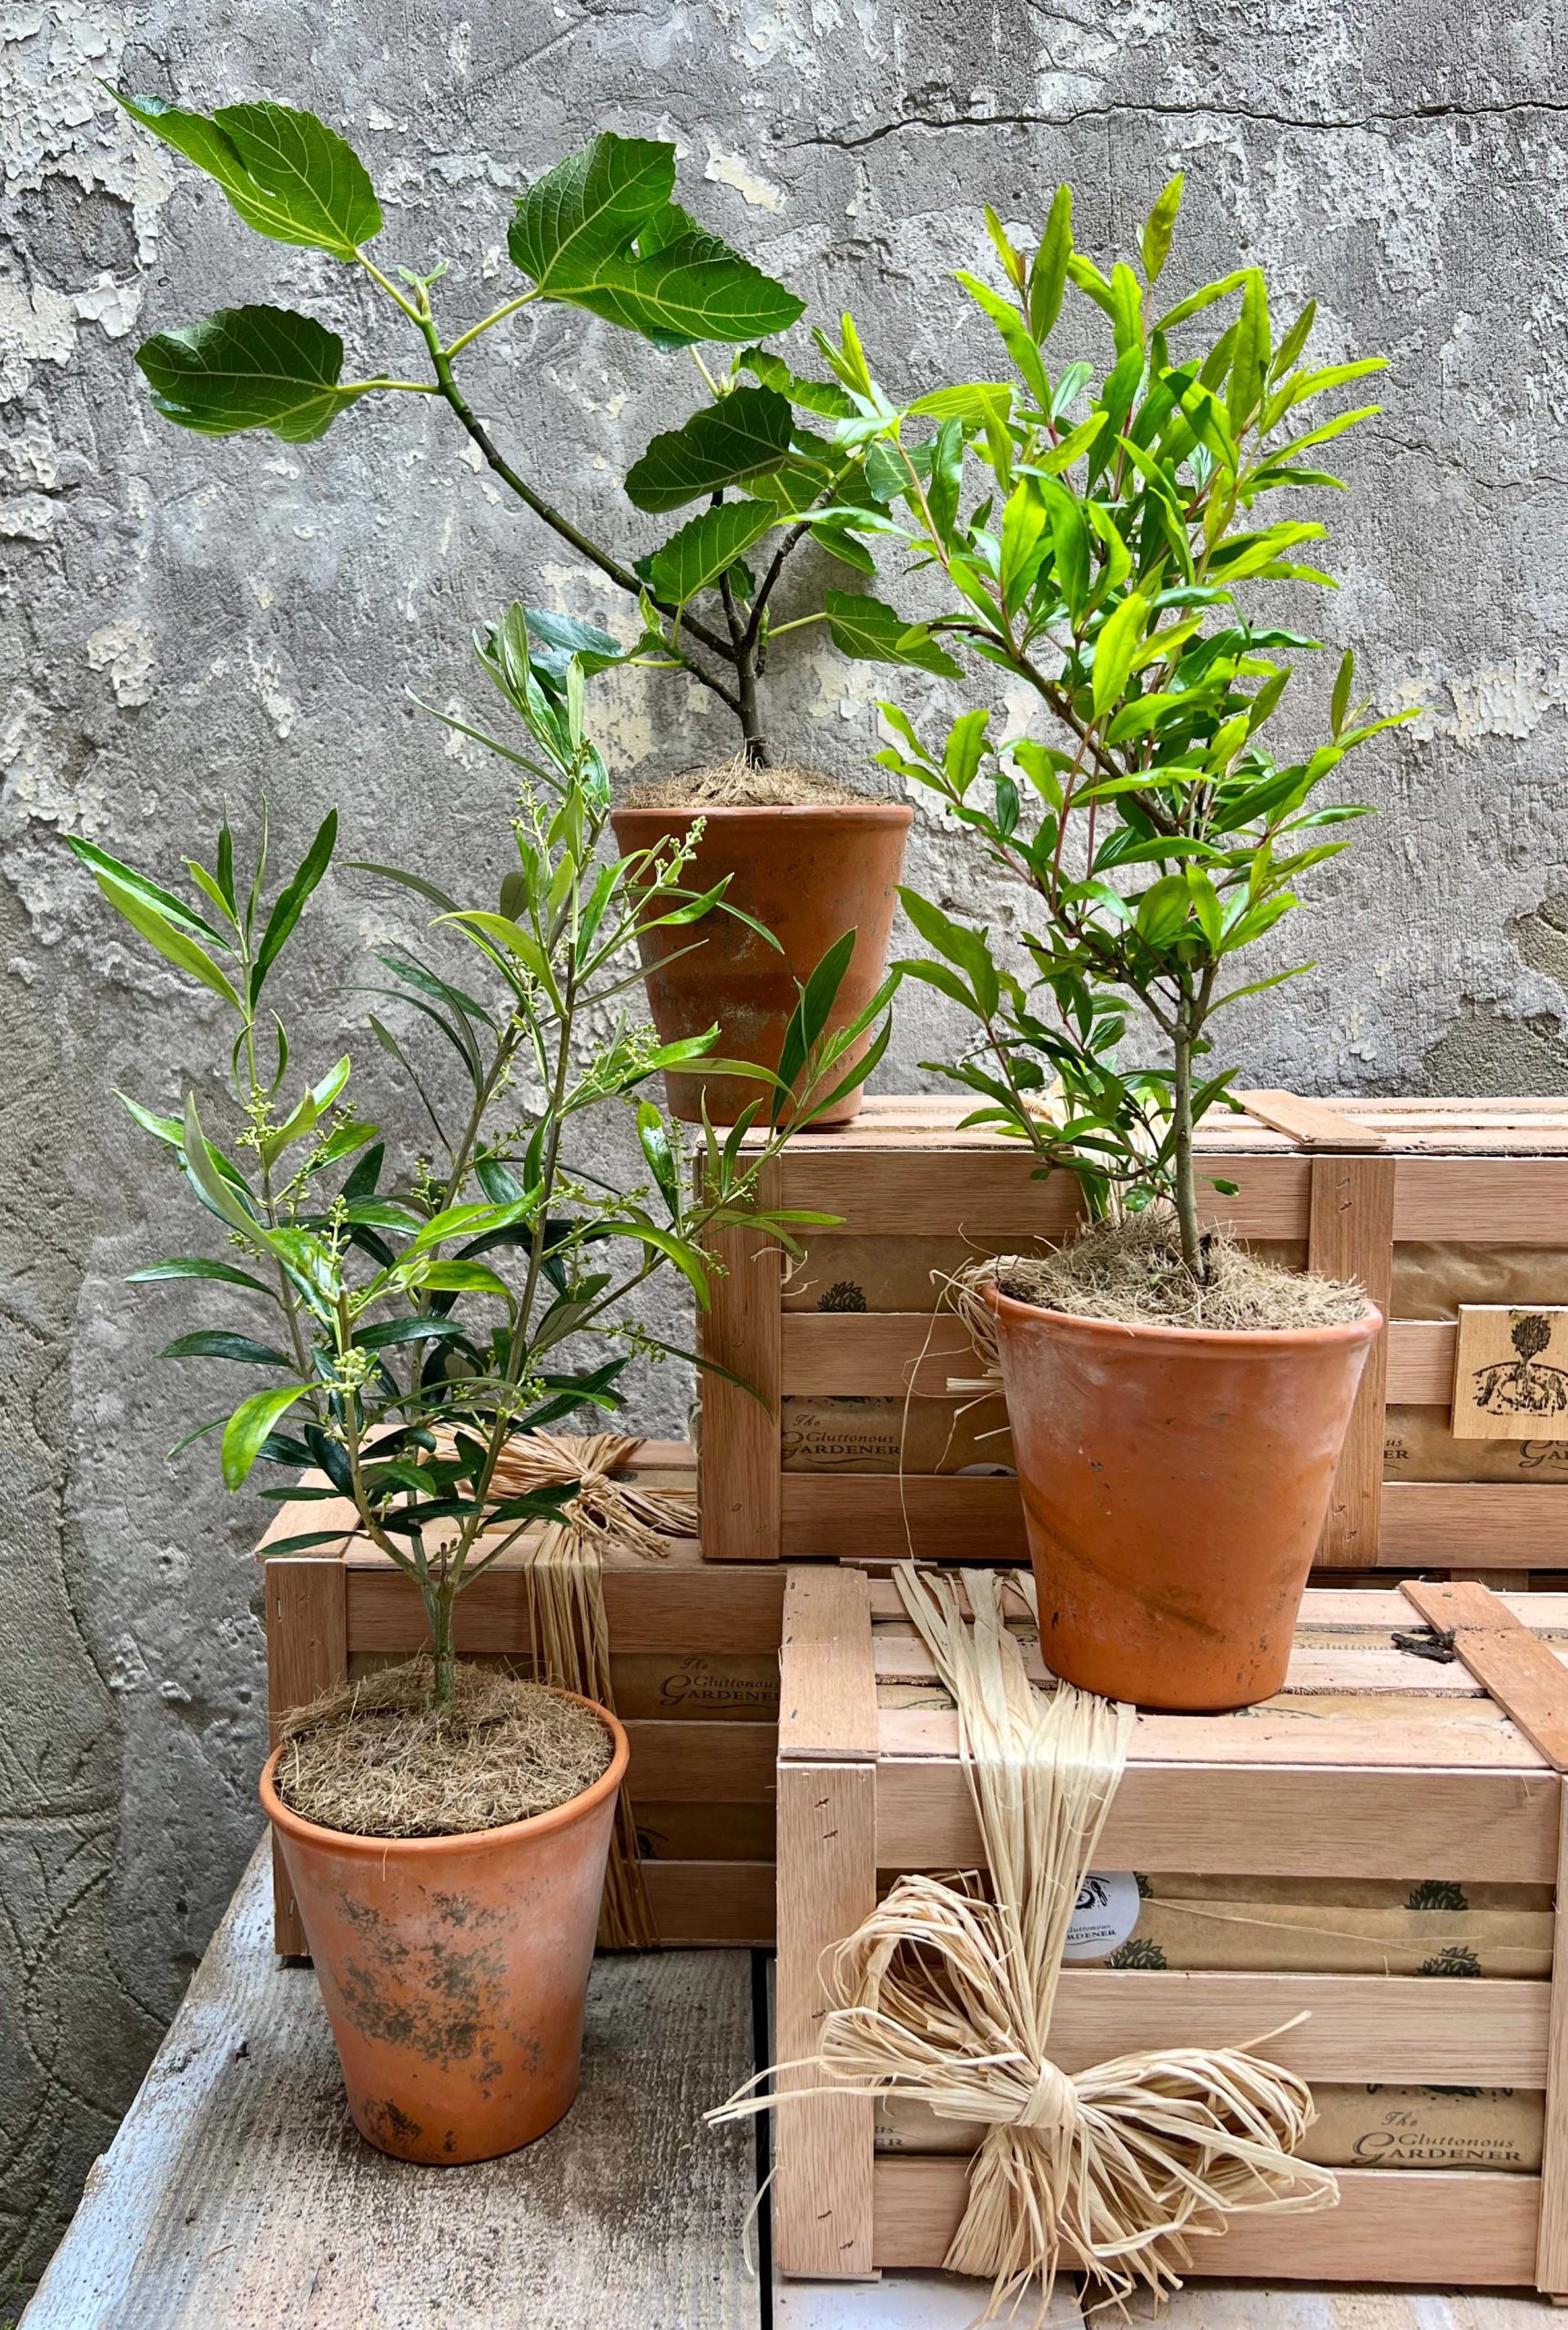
[{"x": 1106, "y": 1914}]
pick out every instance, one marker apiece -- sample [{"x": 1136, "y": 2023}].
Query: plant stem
[
  {"x": 743, "y": 642},
  {"x": 439, "y": 1601},
  {"x": 1181, "y": 1125},
  {"x": 622, "y": 576}
]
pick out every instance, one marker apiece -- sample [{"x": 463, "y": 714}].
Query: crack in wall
[{"x": 1372, "y": 123}]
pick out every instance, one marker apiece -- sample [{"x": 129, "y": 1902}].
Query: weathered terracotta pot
[
  {"x": 808, "y": 873},
  {"x": 1175, "y": 1486},
  {"x": 454, "y": 1970}
]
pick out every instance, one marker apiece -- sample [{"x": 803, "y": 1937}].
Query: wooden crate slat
[
  {"x": 1522, "y": 1674},
  {"x": 827, "y": 1690},
  {"x": 1262, "y": 1821},
  {"x": 1392, "y": 2225},
  {"x": 823, "y": 2181},
  {"x": 686, "y": 1761},
  {"x": 738, "y": 1461},
  {"x": 1423, "y": 2030},
  {"x": 883, "y": 1354},
  {"x": 1497, "y": 1200},
  {"x": 1420, "y": 1363},
  {"x": 1551, "y": 2253},
  {"x": 1315, "y": 1124},
  {"x": 1370, "y": 1670},
  {"x": 1352, "y": 1236},
  {"x": 1474, "y": 1524},
  {"x": 306, "y": 1621},
  {"x": 719, "y": 1904},
  {"x": 943, "y": 1515},
  {"x": 991, "y": 1198},
  {"x": 1428, "y": 1733},
  {"x": 651, "y": 1607}
]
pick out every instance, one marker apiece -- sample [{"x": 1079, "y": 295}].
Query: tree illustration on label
[{"x": 1523, "y": 1385}]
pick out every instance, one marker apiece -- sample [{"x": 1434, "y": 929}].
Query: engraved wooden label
[{"x": 1511, "y": 1373}]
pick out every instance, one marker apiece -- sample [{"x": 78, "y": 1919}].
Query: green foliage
[
  {"x": 747, "y": 432},
  {"x": 286, "y": 173},
  {"x": 1100, "y": 539},
  {"x": 418, "y": 1306},
  {"x": 249, "y": 368},
  {"x": 602, "y": 233}
]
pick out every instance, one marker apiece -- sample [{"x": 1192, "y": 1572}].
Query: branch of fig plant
[{"x": 446, "y": 387}]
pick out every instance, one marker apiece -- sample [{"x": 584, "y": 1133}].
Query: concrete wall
[{"x": 190, "y": 623}]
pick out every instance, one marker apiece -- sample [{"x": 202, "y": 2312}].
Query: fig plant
[
  {"x": 776, "y": 460},
  {"x": 412, "y": 1316},
  {"x": 1101, "y": 535}
]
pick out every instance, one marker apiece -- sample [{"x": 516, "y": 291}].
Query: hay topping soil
[
  {"x": 374, "y": 1758},
  {"x": 735, "y": 784},
  {"x": 1132, "y": 1272}
]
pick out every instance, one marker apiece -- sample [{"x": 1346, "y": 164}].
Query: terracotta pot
[
  {"x": 808, "y": 874},
  {"x": 454, "y": 1968},
  {"x": 1175, "y": 1486}
]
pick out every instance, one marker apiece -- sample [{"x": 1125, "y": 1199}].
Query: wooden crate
[
  {"x": 1342, "y": 1185},
  {"x": 694, "y": 1666},
  {"x": 1329, "y": 1781}
]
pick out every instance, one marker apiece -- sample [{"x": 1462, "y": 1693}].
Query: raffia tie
[
  {"x": 561, "y": 1568},
  {"x": 945, "y": 1994}
]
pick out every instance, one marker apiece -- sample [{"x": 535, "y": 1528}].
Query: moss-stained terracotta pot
[
  {"x": 1175, "y": 1484},
  {"x": 808, "y": 873},
  {"x": 454, "y": 1970}
]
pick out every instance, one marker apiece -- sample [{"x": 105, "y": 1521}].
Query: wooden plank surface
[
  {"x": 1315, "y": 1124},
  {"x": 1442, "y": 1737},
  {"x": 738, "y": 1458},
  {"x": 1552, "y": 2255},
  {"x": 885, "y": 1354},
  {"x": 1497, "y": 1201},
  {"x": 724, "y": 1904},
  {"x": 1420, "y": 2030},
  {"x": 1184, "y": 1818},
  {"x": 989, "y": 1195},
  {"x": 1452, "y": 2228},
  {"x": 825, "y": 2145},
  {"x": 939, "y": 1515},
  {"x": 1351, "y": 1236},
  {"x": 1474, "y": 1524},
  {"x": 237, "y": 2195},
  {"x": 679, "y": 1604},
  {"x": 306, "y": 1622},
  {"x": 827, "y": 1682},
  {"x": 1523, "y": 1675}
]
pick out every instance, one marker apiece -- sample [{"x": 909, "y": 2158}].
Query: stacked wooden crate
[
  {"x": 1376, "y": 1764},
  {"x": 694, "y": 1667},
  {"x": 1438, "y": 1208}
]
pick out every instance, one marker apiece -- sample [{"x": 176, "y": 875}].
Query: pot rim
[
  {"x": 538, "y": 1824},
  {"x": 867, "y": 811},
  {"x": 1362, "y": 1330}
]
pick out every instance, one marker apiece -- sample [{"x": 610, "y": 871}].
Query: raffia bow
[
  {"x": 561, "y": 1569},
  {"x": 945, "y": 1994}
]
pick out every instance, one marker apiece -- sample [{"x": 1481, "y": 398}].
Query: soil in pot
[
  {"x": 808, "y": 858},
  {"x": 448, "y": 1870},
  {"x": 1175, "y": 1448}
]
